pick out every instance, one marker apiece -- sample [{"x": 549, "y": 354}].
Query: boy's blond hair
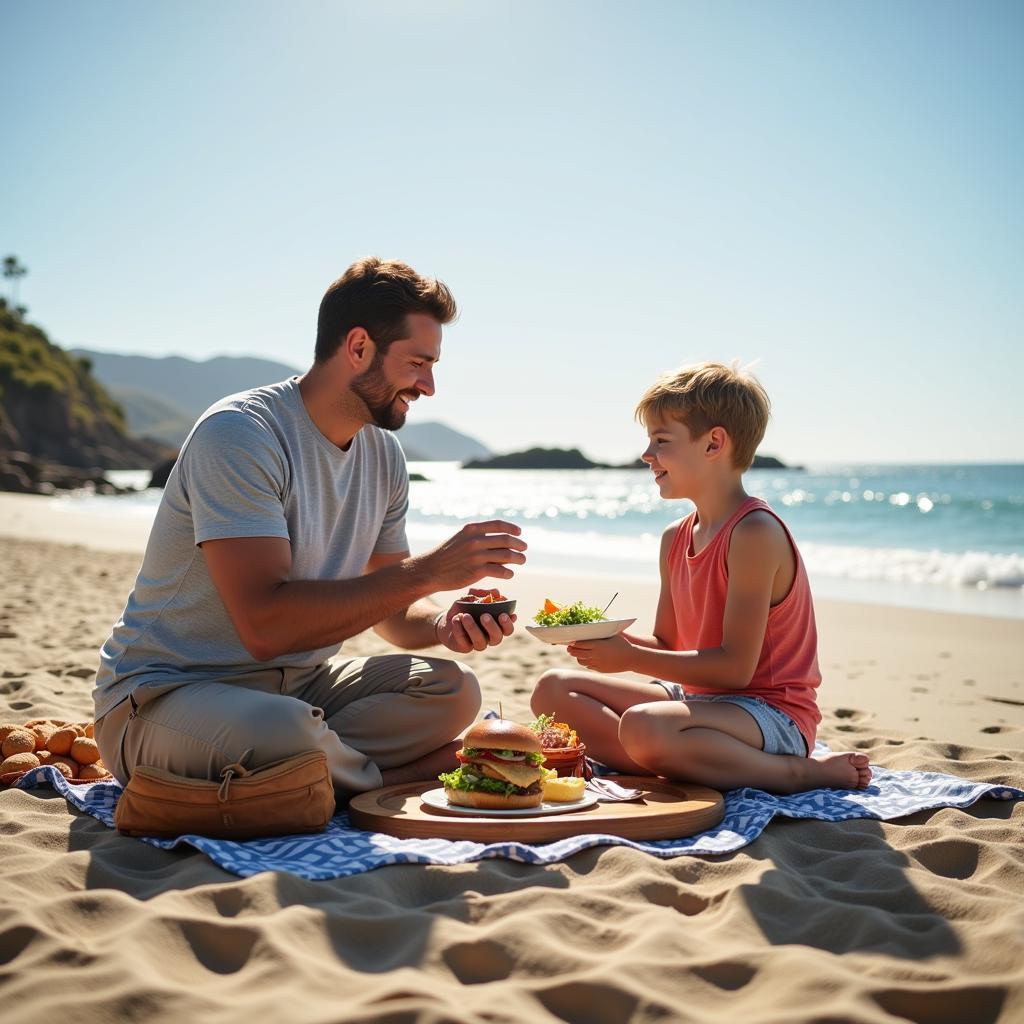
[{"x": 712, "y": 395}]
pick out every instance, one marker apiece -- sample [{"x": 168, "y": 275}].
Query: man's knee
[
  {"x": 289, "y": 727},
  {"x": 461, "y": 688}
]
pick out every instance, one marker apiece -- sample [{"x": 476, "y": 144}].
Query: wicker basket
[{"x": 566, "y": 760}]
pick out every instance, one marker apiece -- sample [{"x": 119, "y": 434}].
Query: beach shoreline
[{"x": 593, "y": 523}]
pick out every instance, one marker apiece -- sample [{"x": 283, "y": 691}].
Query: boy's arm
[
  {"x": 756, "y": 550},
  {"x": 665, "y": 630}
]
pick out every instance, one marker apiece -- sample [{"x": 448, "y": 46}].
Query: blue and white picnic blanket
[{"x": 343, "y": 850}]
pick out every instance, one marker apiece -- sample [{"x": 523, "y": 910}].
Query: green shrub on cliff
[{"x": 30, "y": 361}]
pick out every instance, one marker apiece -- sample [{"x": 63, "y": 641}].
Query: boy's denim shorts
[{"x": 779, "y": 731}]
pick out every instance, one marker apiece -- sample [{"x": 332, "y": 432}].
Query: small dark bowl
[{"x": 476, "y": 609}]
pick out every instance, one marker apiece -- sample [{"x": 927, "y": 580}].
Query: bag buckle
[{"x": 228, "y": 772}]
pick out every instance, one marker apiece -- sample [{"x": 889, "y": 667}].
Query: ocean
[{"x": 939, "y": 537}]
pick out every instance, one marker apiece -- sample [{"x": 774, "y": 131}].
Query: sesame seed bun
[{"x": 501, "y": 734}]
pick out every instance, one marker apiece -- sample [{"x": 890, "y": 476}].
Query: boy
[{"x": 734, "y": 650}]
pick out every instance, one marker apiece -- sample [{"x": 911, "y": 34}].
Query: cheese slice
[{"x": 521, "y": 775}]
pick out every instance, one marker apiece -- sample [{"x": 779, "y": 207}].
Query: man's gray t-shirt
[{"x": 254, "y": 465}]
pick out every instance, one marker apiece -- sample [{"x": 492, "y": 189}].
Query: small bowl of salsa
[{"x": 493, "y": 603}]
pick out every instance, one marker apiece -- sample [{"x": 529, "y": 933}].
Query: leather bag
[{"x": 279, "y": 799}]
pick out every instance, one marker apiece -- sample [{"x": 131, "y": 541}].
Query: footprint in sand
[
  {"x": 480, "y": 961},
  {"x": 851, "y": 713},
  {"x": 80, "y": 672}
]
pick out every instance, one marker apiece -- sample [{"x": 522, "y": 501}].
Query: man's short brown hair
[
  {"x": 712, "y": 395},
  {"x": 377, "y": 295}
]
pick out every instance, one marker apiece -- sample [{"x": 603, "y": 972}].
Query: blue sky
[{"x": 610, "y": 190}]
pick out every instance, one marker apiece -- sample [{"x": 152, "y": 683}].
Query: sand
[{"x": 921, "y": 919}]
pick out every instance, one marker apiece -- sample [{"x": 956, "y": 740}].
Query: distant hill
[
  {"x": 161, "y": 398},
  {"x": 440, "y": 443},
  {"x": 770, "y": 462},
  {"x": 186, "y": 384},
  {"x": 149, "y": 415},
  {"x": 538, "y": 458},
  {"x": 760, "y": 462},
  {"x": 55, "y": 413},
  {"x": 573, "y": 458}
]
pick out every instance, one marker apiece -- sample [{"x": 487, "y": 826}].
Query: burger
[{"x": 500, "y": 767}]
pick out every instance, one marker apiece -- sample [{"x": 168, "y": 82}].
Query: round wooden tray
[{"x": 668, "y": 810}]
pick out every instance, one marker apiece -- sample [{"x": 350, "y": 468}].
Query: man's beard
[{"x": 373, "y": 387}]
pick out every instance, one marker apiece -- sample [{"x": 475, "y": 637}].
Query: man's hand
[
  {"x": 615, "y": 654},
  {"x": 459, "y": 632},
  {"x": 478, "y": 550}
]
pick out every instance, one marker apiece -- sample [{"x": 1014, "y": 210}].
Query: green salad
[{"x": 570, "y": 615}]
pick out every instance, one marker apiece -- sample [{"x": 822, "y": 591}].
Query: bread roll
[
  {"x": 19, "y": 763},
  {"x": 20, "y": 741}
]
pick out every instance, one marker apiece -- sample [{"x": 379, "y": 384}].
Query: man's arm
[
  {"x": 423, "y": 623},
  {"x": 755, "y": 556},
  {"x": 276, "y": 615},
  {"x": 412, "y": 627}
]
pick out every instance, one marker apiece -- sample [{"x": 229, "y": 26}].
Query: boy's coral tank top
[{"x": 787, "y": 673}]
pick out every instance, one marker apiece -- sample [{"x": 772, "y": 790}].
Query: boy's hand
[{"x": 615, "y": 654}]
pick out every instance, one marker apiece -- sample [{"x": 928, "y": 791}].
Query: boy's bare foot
[
  {"x": 426, "y": 768},
  {"x": 841, "y": 771}
]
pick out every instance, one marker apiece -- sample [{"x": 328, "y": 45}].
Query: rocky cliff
[{"x": 54, "y": 414}]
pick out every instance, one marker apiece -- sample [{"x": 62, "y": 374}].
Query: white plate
[
  {"x": 436, "y": 798},
  {"x": 585, "y": 631}
]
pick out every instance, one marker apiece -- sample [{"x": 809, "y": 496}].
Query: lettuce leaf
[
  {"x": 469, "y": 781},
  {"x": 571, "y": 615}
]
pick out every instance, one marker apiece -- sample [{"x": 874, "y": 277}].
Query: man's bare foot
[
  {"x": 840, "y": 771},
  {"x": 426, "y": 768}
]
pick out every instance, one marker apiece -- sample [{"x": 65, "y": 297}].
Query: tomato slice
[{"x": 486, "y": 755}]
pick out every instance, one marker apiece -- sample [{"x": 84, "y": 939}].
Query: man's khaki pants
[{"x": 364, "y": 713}]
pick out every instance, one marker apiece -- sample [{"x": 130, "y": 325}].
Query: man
[{"x": 281, "y": 533}]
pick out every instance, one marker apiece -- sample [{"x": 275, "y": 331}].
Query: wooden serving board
[{"x": 668, "y": 810}]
